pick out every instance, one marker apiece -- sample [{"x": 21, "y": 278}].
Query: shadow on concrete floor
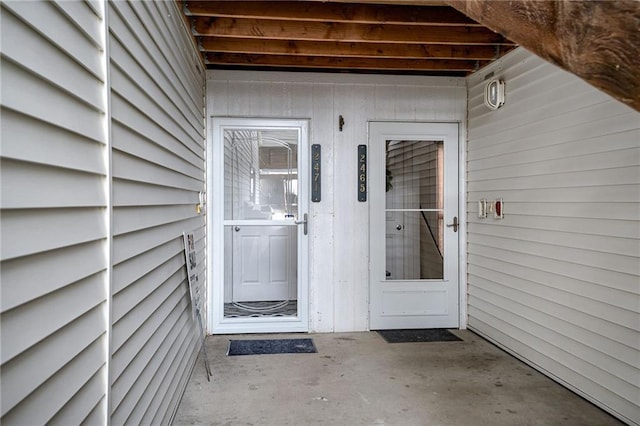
[{"x": 359, "y": 379}]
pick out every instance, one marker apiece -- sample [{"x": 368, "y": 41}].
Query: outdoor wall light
[{"x": 494, "y": 94}]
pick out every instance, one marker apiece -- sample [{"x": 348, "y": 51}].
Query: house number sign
[
  {"x": 362, "y": 173},
  {"x": 316, "y": 166}
]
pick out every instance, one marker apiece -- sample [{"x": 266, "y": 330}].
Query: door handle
[
  {"x": 399, "y": 227},
  {"x": 302, "y": 222},
  {"x": 237, "y": 228},
  {"x": 454, "y": 224}
]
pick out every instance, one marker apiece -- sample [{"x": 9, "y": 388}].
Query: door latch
[
  {"x": 454, "y": 224},
  {"x": 303, "y": 222}
]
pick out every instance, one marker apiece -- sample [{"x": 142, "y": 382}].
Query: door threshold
[{"x": 259, "y": 325}]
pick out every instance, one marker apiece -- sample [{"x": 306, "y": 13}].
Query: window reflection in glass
[
  {"x": 414, "y": 210},
  {"x": 261, "y": 174}
]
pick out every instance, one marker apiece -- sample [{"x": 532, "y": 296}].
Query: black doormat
[
  {"x": 418, "y": 335},
  {"x": 272, "y": 346}
]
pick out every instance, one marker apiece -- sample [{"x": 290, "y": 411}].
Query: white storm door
[
  {"x": 414, "y": 250},
  {"x": 258, "y": 230}
]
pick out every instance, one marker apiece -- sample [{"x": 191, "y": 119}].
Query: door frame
[
  {"x": 462, "y": 213},
  {"x": 216, "y": 322}
]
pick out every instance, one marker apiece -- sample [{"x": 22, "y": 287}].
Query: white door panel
[
  {"x": 413, "y": 173},
  {"x": 261, "y": 263}
]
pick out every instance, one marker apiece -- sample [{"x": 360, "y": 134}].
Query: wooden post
[{"x": 599, "y": 41}]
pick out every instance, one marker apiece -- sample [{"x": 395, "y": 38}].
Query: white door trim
[
  {"x": 462, "y": 219},
  {"x": 457, "y": 266},
  {"x": 216, "y": 322}
]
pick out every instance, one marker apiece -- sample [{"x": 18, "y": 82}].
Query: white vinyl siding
[
  {"x": 339, "y": 224},
  {"x": 557, "y": 282},
  {"x": 158, "y": 171},
  {"x": 101, "y": 169},
  {"x": 54, "y": 202}
]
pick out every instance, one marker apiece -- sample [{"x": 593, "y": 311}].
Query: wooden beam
[
  {"x": 343, "y": 49},
  {"x": 396, "y": 2},
  {"x": 342, "y": 63},
  {"x": 319, "y": 31},
  {"x": 599, "y": 41},
  {"x": 330, "y": 12}
]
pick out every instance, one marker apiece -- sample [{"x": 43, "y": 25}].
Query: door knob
[
  {"x": 399, "y": 227},
  {"x": 454, "y": 224},
  {"x": 237, "y": 228}
]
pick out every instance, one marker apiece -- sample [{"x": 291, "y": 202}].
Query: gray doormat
[
  {"x": 271, "y": 346},
  {"x": 418, "y": 335}
]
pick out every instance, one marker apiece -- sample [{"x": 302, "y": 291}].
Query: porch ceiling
[
  {"x": 598, "y": 41},
  {"x": 429, "y": 39}
]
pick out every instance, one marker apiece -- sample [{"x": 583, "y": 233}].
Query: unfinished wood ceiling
[{"x": 431, "y": 39}]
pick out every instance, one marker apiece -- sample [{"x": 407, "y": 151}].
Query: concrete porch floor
[{"x": 359, "y": 379}]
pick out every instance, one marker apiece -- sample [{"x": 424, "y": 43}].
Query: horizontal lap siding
[
  {"x": 158, "y": 171},
  {"x": 54, "y": 208},
  {"x": 557, "y": 282}
]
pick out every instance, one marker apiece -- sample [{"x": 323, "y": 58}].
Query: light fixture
[{"x": 494, "y": 94}]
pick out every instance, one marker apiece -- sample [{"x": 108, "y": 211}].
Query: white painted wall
[
  {"x": 557, "y": 282},
  {"x": 339, "y": 224},
  {"x": 102, "y": 161}
]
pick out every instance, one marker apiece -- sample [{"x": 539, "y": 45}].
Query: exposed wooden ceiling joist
[
  {"x": 337, "y": 31},
  {"x": 342, "y": 63},
  {"x": 331, "y": 12},
  {"x": 347, "y": 49},
  {"x": 342, "y": 36},
  {"x": 598, "y": 41}
]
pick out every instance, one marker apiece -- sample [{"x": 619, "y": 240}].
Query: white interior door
[
  {"x": 413, "y": 172},
  {"x": 263, "y": 263},
  {"x": 259, "y": 276}
]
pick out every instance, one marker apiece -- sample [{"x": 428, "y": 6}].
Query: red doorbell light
[{"x": 498, "y": 209}]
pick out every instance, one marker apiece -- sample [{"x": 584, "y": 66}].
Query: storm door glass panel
[
  {"x": 261, "y": 174},
  {"x": 260, "y": 234},
  {"x": 414, "y": 210}
]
